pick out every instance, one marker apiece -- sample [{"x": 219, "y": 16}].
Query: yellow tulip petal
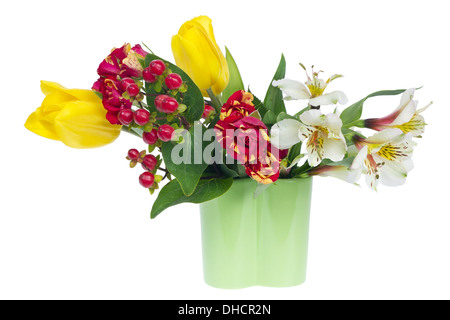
[
  {"x": 57, "y": 98},
  {"x": 83, "y": 95},
  {"x": 48, "y": 87},
  {"x": 205, "y": 23},
  {"x": 41, "y": 127},
  {"x": 196, "y": 55},
  {"x": 83, "y": 125},
  {"x": 224, "y": 76},
  {"x": 188, "y": 58}
]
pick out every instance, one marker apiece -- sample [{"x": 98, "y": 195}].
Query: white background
[{"x": 74, "y": 224}]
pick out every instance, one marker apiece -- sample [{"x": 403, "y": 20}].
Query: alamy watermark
[{"x": 242, "y": 145}]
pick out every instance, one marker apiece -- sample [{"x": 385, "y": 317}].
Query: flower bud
[{"x": 195, "y": 47}]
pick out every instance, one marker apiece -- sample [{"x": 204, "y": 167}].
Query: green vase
[{"x": 263, "y": 241}]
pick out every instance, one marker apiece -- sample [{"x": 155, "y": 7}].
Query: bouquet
[{"x": 203, "y": 128}]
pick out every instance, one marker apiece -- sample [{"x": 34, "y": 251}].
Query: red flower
[
  {"x": 120, "y": 63},
  {"x": 138, "y": 49},
  {"x": 283, "y": 153},
  {"x": 238, "y": 106},
  {"x": 243, "y": 139},
  {"x": 267, "y": 169},
  {"x": 113, "y": 101},
  {"x": 123, "y": 61}
]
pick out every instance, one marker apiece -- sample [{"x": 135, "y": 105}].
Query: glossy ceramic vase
[{"x": 257, "y": 242}]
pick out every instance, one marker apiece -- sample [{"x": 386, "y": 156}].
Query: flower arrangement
[{"x": 204, "y": 129}]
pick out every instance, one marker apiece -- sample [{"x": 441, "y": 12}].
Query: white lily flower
[
  {"x": 385, "y": 157},
  {"x": 322, "y": 133},
  {"x": 312, "y": 91},
  {"x": 406, "y": 117}
]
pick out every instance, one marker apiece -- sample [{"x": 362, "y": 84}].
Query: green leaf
[
  {"x": 284, "y": 115},
  {"x": 354, "y": 112},
  {"x": 209, "y": 172},
  {"x": 189, "y": 171},
  {"x": 98, "y": 94},
  {"x": 274, "y": 97},
  {"x": 255, "y": 114},
  {"x": 346, "y": 162},
  {"x": 172, "y": 194},
  {"x": 294, "y": 152},
  {"x": 299, "y": 171},
  {"x": 192, "y": 98},
  {"x": 233, "y": 169},
  {"x": 141, "y": 62},
  {"x": 259, "y": 106},
  {"x": 270, "y": 118},
  {"x": 235, "y": 82},
  {"x": 241, "y": 170},
  {"x": 228, "y": 171}
]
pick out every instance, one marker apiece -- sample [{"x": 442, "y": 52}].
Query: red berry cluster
[
  {"x": 124, "y": 82},
  {"x": 164, "y": 86},
  {"x": 157, "y": 75},
  {"x": 148, "y": 179}
]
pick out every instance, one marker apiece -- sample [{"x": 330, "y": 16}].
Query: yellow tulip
[
  {"x": 196, "y": 52},
  {"x": 74, "y": 116}
]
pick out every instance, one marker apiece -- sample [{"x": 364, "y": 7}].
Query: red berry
[
  {"x": 133, "y": 154},
  {"x": 148, "y": 75},
  {"x": 165, "y": 132},
  {"x": 133, "y": 90},
  {"x": 207, "y": 111},
  {"x": 149, "y": 162},
  {"x": 173, "y": 81},
  {"x": 150, "y": 137},
  {"x": 126, "y": 82},
  {"x": 146, "y": 179},
  {"x": 141, "y": 116},
  {"x": 169, "y": 105},
  {"x": 166, "y": 104},
  {"x": 126, "y": 116},
  {"x": 159, "y": 100},
  {"x": 157, "y": 67}
]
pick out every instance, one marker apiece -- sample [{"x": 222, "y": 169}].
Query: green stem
[
  {"x": 357, "y": 123},
  {"x": 184, "y": 122},
  {"x": 298, "y": 172},
  {"x": 215, "y": 100}
]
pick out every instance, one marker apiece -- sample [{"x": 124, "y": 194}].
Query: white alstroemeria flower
[
  {"x": 322, "y": 133},
  {"x": 406, "y": 117},
  {"x": 385, "y": 157},
  {"x": 342, "y": 170},
  {"x": 313, "y": 91}
]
